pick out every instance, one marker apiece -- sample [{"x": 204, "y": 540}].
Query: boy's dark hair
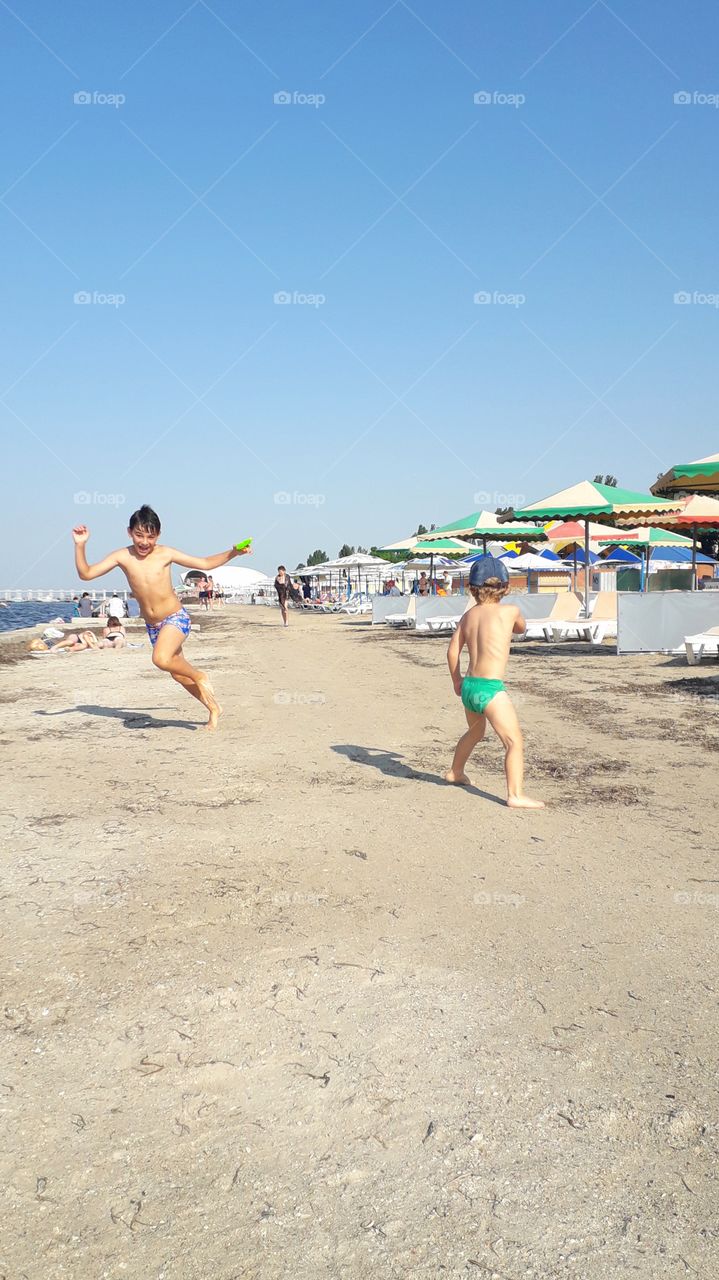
[
  {"x": 280, "y": 567},
  {"x": 145, "y": 518}
]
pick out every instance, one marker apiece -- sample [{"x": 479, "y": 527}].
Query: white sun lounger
[
  {"x": 704, "y": 642},
  {"x": 565, "y": 609},
  {"x": 602, "y": 624},
  {"x": 442, "y": 623}
]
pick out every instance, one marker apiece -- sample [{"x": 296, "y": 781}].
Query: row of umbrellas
[{"x": 587, "y": 509}]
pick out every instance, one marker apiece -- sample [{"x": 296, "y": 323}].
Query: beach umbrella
[
  {"x": 563, "y": 533},
  {"x": 698, "y": 514},
  {"x": 700, "y": 476},
  {"x": 647, "y": 539},
  {"x": 484, "y": 525},
  {"x": 601, "y": 503},
  {"x": 436, "y": 548}
]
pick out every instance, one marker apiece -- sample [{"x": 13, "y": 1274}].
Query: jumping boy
[
  {"x": 146, "y": 566},
  {"x": 486, "y": 630}
]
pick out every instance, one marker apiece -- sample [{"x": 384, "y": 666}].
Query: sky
[{"x": 319, "y": 272}]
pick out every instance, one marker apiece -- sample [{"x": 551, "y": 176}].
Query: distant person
[
  {"x": 282, "y": 587},
  {"x": 75, "y": 607},
  {"x": 76, "y": 642},
  {"x": 306, "y": 589},
  {"x": 486, "y": 630},
  {"x": 116, "y": 607},
  {"x": 202, "y": 593},
  {"x": 423, "y": 584},
  {"x": 85, "y": 606},
  {"x": 447, "y": 582},
  {"x": 113, "y": 635}
]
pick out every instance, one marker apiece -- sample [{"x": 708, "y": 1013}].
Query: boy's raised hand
[{"x": 80, "y": 534}]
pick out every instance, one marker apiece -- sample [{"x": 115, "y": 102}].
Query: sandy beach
[{"x": 281, "y": 1003}]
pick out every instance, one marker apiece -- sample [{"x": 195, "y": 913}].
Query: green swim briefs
[{"x": 477, "y": 693}]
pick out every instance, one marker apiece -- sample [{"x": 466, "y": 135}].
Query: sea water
[{"x": 28, "y": 613}]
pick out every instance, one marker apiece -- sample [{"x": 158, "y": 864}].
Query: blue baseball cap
[{"x": 486, "y": 569}]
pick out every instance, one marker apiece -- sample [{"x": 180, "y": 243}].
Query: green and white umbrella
[
  {"x": 601, "y": 503},
  {"x": 701, "y": 476},
  {"x": 484, "y": 525}
]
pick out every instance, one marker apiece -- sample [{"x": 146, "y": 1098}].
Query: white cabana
[{"x": 232, "y": 579}]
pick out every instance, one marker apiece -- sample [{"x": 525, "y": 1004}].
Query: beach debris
[
  {"x": 356, "y": 853},
  {"x": 430, "y": 1131}
]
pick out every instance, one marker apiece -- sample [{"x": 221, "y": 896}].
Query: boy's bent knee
[{"x": 162, "y": 663}]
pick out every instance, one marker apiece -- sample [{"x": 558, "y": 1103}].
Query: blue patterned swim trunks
[{"x": 181, "y": 620}]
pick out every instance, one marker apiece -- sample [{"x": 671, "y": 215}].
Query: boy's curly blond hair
[{"x": 492, "y": 590}]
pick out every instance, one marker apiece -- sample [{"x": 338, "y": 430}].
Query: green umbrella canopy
[
  {"x": 646, "y": 538},
  {"x": 590, "y": 501},
  {"x": 485, "y": 524},
  {"x": 443, "y": 547},
  {"x": 701, "y": 476}
]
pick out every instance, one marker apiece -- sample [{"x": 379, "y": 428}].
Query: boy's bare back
[{"x": 486, "y": 630}]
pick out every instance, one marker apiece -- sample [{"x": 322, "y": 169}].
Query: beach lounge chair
[
  {"x": 566, "y": 608},
  {"x": 443, "y": 623},
  {"x": 704, "y": 642},
  {"x": 408, "y": 618},
  {"x": 601, "y": 624}
]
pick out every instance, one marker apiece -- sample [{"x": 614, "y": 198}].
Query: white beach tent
[{"x": 233, "y": 579}]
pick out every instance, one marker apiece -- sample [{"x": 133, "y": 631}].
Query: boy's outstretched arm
[
  {"x": 204, "y": 562},
  {"x": 86, "y": 572},
  {"x": 454, "y": 650}
]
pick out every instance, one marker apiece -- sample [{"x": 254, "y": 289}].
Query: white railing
[{"x": 55, "y": 594}]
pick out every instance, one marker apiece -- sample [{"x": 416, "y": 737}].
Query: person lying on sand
[
  {"x": 76, "y": 642},
  {"x": 146, "y": 566},
  {"x": 113, "y": 635},
  {"x": 486, "y": 630}
]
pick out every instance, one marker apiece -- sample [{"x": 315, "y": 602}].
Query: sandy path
[{"x": 280, "y": 1004}]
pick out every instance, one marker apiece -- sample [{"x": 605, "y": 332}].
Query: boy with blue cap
[{"x": 486, "y": 630}]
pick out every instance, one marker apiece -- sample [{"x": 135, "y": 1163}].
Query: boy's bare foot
[
  {"x": 524, "y": 802},
  {"x": 208, "y": 697},
  {"x": 215, "y": 713},
  {"x": 458, "y": 779}
]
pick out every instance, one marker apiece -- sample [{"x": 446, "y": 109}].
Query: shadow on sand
[
  {"x": 130, "y": 719},
  {"x": 391, "y": 764}
]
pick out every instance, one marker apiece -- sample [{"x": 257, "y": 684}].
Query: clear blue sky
[{"x": 398, "y": 398}]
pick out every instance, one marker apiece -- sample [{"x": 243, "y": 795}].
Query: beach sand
[{"x": 281, "y": 1003}]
